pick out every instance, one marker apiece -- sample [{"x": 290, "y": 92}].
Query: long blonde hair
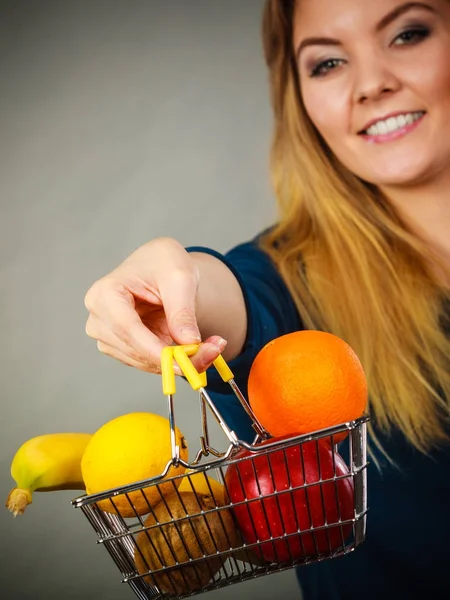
[{"x": 351, "y": 265}]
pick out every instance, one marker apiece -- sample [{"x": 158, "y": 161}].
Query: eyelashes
[
  {"x": 325, "y": 67},
  {"x": 409, "y": 37}
]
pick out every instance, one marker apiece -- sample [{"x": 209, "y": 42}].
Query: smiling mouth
[{"x": 392, "y": 124}]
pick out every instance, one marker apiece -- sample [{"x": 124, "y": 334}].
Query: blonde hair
[{"x": 351, "y": 265}]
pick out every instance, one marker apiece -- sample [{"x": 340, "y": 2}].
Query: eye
[
  {"x": 411, "y": 36},
  {"x": 325, "y": 67}
]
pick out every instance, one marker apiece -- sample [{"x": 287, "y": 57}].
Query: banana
[{"x": 46, "y": 463}]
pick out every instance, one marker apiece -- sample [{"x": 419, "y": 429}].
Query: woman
[{"x": 361, "y": 171}]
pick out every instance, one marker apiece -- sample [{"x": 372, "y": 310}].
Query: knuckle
[
  {"x": 184, "y": 318},
  {"x": 164, "y": 242},
  {"x": 95, "y": 296},
  {"x": 185, "y": 314},
  {"x": 203, "y": 363},
  {"x": 92, "y": 296},
  {"x": 104, "y": 348},
  {"x": 89, "y": 329},
  {"x": 184, "y": 276},
  {"x": 121, "y": 289}
]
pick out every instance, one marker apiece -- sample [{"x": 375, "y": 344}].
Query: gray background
[{"x": 120, "y": 121}]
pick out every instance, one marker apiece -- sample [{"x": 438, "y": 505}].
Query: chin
[{"x": 397, "y": 175}]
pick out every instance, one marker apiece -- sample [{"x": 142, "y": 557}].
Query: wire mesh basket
[{"x": 233, "y": 515}]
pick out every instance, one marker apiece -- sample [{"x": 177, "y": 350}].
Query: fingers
[
  {"x": 162, "y": 276},
  {"x": 110, "y": 345},
  {"x": 208, "y": 352},
  {"x": 178, "y": 294},
  {"x": 96, "y": 329},
  {"x": 120, "y": 325},
  {"x": 124, "y": 358},
  {"x": 202, "y": 360}
]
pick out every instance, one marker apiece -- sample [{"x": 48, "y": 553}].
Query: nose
[{"x": 374, "y": 80}]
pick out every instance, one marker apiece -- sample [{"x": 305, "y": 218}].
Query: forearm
[{"x": 220, "y": 303}]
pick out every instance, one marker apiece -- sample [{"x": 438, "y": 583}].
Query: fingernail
[
  {"x": 220, "y": 343},
  {"x": 190, "y": 334}
]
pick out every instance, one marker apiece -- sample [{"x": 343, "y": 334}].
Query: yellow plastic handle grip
[
  {"x": 167, "y": 372},
  {"x": 197, "y": 380},
  {"x": 223, "y": 369},
  {"x": 190, "y": 349}
]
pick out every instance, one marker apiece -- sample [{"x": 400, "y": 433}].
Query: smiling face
[{"x": 375, "y": 81}]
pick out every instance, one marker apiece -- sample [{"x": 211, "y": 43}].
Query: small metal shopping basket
[{"x": 233, "y": 515}]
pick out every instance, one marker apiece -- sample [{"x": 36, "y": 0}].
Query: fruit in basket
[
  {"x": 176, "y": 540},
  {"x": 266, "y": 516},
  {"x": 128, "y": 449},
  {"x": 46, "y": 463},
  {"x": 202, "y": 484},
  {"x": 306, "y": 381}
]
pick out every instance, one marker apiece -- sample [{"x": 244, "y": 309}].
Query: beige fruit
[
  {"x": 171, "y": 543},
  {"x": 202, "y": 484}
]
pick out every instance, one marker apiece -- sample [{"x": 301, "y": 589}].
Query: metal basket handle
[{"x": 198, "y": 382}]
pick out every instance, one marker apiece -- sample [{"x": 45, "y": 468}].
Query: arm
[
  {"x": 270, "y": 312},
  {"x": 164, "y": 294},
  {"x": 220, "y": 305}
]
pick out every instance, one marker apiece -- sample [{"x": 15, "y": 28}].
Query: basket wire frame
[{"x": 182, "y": 552}]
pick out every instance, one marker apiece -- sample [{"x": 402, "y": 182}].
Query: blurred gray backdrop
[{"x": 120, "y": 121}]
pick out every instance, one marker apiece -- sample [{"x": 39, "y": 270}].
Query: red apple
[{"x": 268, "y": 516}]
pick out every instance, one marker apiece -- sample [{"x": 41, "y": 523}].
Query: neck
[{"x": 426, "y": 208}]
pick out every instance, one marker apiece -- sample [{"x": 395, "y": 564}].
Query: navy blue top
[{"x": 406, "y": 551}]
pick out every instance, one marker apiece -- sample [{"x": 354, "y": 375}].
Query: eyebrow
[{"x": 385, "y": 21}]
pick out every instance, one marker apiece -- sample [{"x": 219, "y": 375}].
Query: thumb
[{"x": 179, "y": 295}]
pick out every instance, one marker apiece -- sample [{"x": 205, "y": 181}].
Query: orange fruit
[{"x": 305, "y": 381}]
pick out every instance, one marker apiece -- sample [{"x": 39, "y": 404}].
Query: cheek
[
  {"x": 328, "y": 110},
  {"x": 435, "y": 82},
  {"x": 429, "y": 77}
]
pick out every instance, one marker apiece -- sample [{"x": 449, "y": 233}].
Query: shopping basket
[{"x": 247, "y": 511}]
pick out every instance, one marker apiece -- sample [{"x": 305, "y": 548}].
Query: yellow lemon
[
  {"x": 130, "y": 448},
  {"x": 201, "y": 484}
]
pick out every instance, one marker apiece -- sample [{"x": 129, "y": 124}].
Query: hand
[{"x": 146, "y": 303}]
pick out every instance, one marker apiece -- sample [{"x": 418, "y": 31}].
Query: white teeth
[
  {"x": 382, "y": 127},
  {"x": 393, "y": 123}
]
